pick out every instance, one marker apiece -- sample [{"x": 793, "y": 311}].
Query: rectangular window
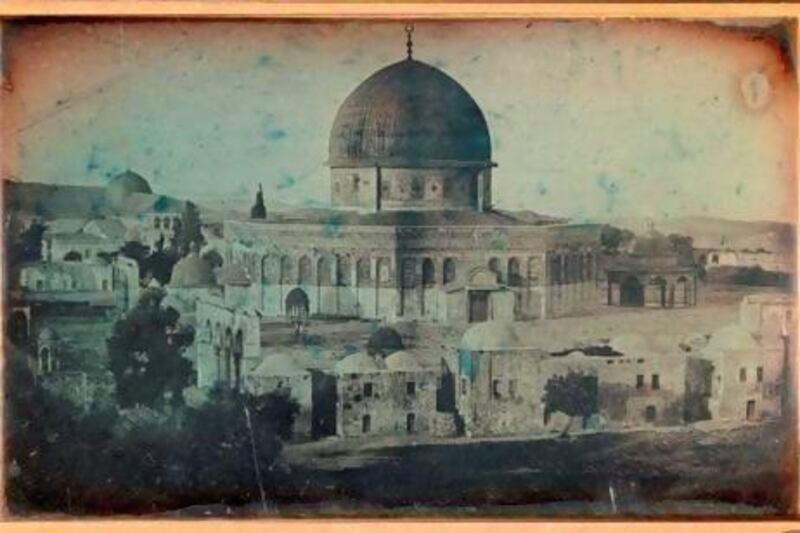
[
  {"x": 742, "y": 374},
  {"x": 367, "y": 390},
  {"x": 411, "y": 423},
  {"x": 366, "y": 424},
  {"x": 640, "y": 381},
  {"x": 650, "y": 413},
  {"x": 759, "y": 374},
  {"x": 463, "y": 386},
  {"x": 411, "y": 388},
  {"x": 512, "y": 388},
  {"x": 496, "y": 388},
  {"x": 655, "y": 382}
]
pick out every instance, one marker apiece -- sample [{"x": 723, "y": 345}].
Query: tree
[
  {"x": 683, "y": 245},
  {"x": 139, "y": 253},
  {"x": 26, "y": 246},
  {"x": 384, "y": 341},
  {"x": 213, "y": 258},
  {"x": 72, "y": 256},
  {"x": 613, "y": 238},
  {"x": 574, "y": 394},
  {"x": 259, "y": 210},
  {"x": 190, "y": 231},
  {"x": 145, "y": 353}
]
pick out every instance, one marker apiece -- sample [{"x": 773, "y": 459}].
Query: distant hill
[{"x": 710, "y": 232}]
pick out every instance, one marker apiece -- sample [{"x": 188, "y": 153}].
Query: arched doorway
[
  {"x": 297, "y": 304},
  {"x": 631, "y": 292}
]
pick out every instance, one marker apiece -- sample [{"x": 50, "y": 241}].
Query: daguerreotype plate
[{"x": 513, "y": 267}]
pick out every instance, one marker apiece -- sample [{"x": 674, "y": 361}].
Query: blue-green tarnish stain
[
  {"x": 467, "y": 365},
  {"x": 162, "y": 204},
  {"x": 611, "y": 189},
  {"x": 739, "y": 189},
  {"x": 333, "y": 228},
  {"x": 286, "y": 182},
  {"x": 274, "y": 134},
  {"x": 264, "y": 60},
  {"x": 541, "y": 188}
]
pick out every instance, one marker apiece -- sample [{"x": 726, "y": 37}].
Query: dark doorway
[
  {"x": 650, "y": 413},
  {"x": 297, "y": 304},
  {"x": 631, "y": 292},
  {"x": 323, "y": 404},
  {"x": 17, "y": 328},
  {"x": 478, "y": 306},
  {"x": 411, "y": 421},
  {"x": 366, "y": 424},
  {"x": 751, "y": 409}
]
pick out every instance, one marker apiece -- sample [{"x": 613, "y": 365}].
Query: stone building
[
  {"x": 48, "y": 353},
  {"x": 99, "y": 285},
  {"x": 651, "y": 273},
  {"x": 395, "y": 396},
  {"x": 748, "y": 377},
  {"x": 413, "y": 233},
  {"x": 281, "y": 373}
]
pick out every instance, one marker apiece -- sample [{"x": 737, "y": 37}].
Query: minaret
[{"x": 259, "y": 210}]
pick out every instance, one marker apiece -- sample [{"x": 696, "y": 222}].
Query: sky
[{"x": 588, "y": 120}]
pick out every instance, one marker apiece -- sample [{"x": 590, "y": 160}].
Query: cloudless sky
[{"x": 588, "y": 120}]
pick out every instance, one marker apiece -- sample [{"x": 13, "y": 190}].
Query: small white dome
[
  {"x": 492, "y": 335},
  {"x": 403, "y": 361},
  {"x": 630, "y": 344},
  {"x": 360, "y": 363},
  {"x": 279, "y": 365}
]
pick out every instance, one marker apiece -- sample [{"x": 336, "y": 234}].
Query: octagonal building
[{"x": 411, "y": 233}]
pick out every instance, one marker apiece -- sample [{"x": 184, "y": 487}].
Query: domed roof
[
  {"x": 279, "y": 365},
  {"x": 360, "y": 363},
  {"x": 731, "y": 337},
  {"x": 409, "y": 114},
  {"x": 492, "y": 335},
  {"x": 235, "y": 274},
  {"x": 403, "y": 361},
  {"x": 129, "y": 182},
  {"x": 192, "y": 271}
]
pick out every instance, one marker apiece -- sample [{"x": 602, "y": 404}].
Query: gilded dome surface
[{"x": 409, "y": 114}]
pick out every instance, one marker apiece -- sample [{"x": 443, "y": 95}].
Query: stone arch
[
  {"x": 227, "y": 357},
  {"x": 580, "y": 273},
  {"x": 589, "y": 265},
  {"x": 384, "y": 271},
  {"x": 287, "y": 271},
  {"x": 533, "y": 271},
  {"x": 363, "y": 271},
  {"x": 17, "y": 328},
  {"x": 270, "y": 270},
  {"x": 304, "y": 271},
  {"x": 157, "y": 222},
  {"x": 514, "y": 276},
  {"x": 494, "y": 266},
  {"x": 297, "y": 304},
  {"x": 238, "y": 354},
  {"x": 631, "y": 292},
  {"x": 343, "y": 273},
  {"x": 449, "y": 270},
  {"x": 656, "y": 292},
  {"x": 428, "y": 272},
  {"x": 556, "y": 273},
  {"x": 325, "y": 271}
]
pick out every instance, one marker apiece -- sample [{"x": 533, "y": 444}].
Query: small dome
[
  {"x": 492, "y": 335},
  {"x": 47, "y": 334},
  {"x": 576, "y": 353},
  {"x": 731, "y": 337},
  {"x": 409, "y": 114},
  {"x": 403, "y": 361},
  {"x": 630, "y": 344},
  {"x": 279, "y": 365},
  {"x": 360, "y": 363},
  {"x": 235, "y": 274},
  {"x": 192, "y": 272}
]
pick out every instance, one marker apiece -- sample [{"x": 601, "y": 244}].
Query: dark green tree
[
  {"x": 683, "y": 246},
  {"x": 145, "y": 354},
  {"x": 25, "y": 246},
  {"x": 139, "y": 253},
  {"x": 259, "y": 210},
  {"x": 574, "y": 394},
  {"x": 612, "y": 238},
  {"x": 190, "y": 230}
]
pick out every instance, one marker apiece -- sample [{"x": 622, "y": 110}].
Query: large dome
[
  {"x": 129, "y": 182},
  {"x": 409, "y": 114}
]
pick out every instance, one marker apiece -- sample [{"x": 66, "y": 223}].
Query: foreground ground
[{"x": 687, "y": 472}]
